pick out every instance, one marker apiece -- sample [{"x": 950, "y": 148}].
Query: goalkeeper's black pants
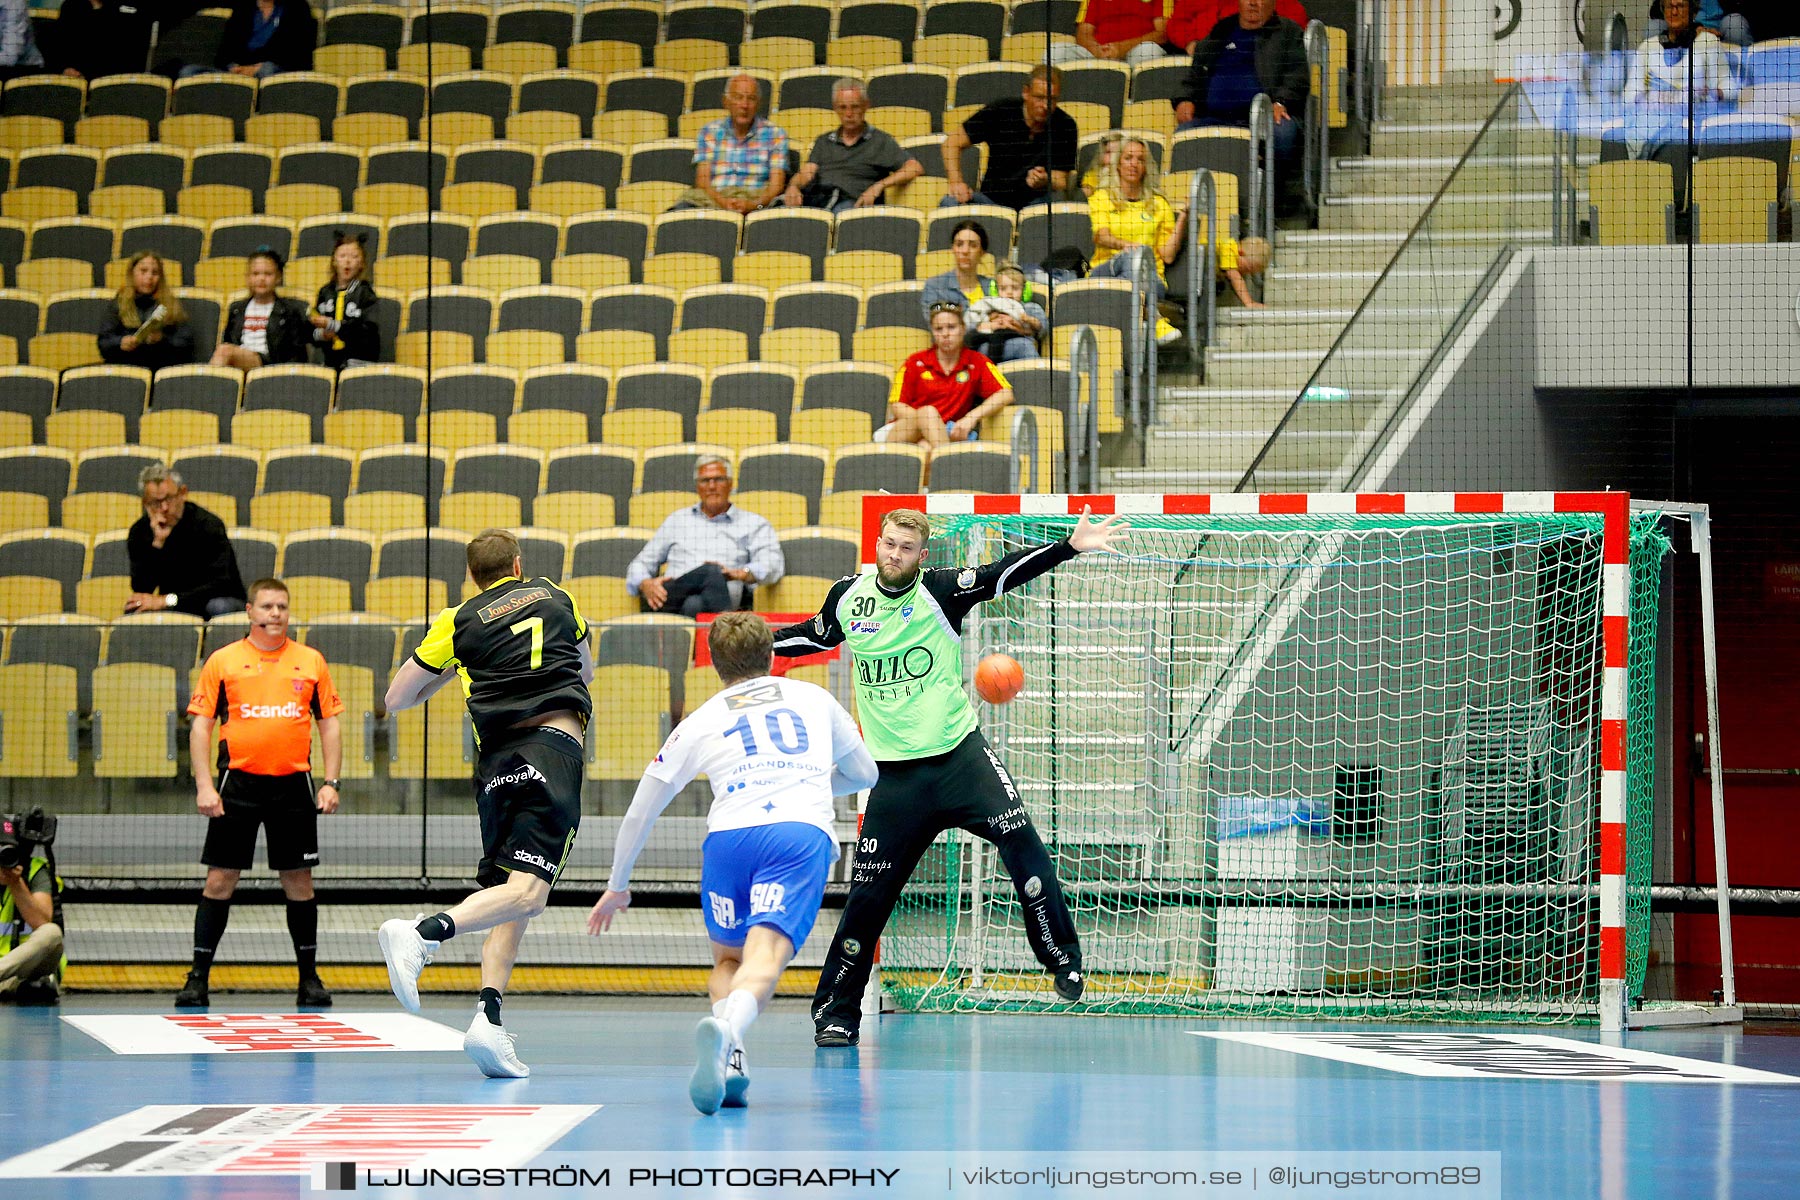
[{"x": 912, "y": 803}]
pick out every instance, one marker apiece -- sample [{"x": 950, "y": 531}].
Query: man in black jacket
[
  {"x": 1253, "y": 52},
  {"x": 180, "y": 555},
  {"x": 264, "y": 38}
]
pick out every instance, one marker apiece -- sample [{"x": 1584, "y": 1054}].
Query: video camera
[{"x": 18, "y": 834}]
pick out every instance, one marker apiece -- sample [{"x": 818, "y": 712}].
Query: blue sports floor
[{"x": 1038, "y": 1085}]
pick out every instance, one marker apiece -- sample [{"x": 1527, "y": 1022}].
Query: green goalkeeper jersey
[{"x": 906, "y": 647}]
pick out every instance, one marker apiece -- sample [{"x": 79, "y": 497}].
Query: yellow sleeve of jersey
[
  {"x": 438, "y": 650},
  {"x": 581, "y": 625}
]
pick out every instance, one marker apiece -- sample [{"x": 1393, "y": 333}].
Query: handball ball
[{"x": 998, "y": 678}]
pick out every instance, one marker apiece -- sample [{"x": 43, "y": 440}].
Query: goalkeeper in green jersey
[{"x": 903, "y": 625}]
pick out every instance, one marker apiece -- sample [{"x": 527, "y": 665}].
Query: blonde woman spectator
[
  {"x": 1132, "y": 221},
  {"x": 146, "y": 325}
]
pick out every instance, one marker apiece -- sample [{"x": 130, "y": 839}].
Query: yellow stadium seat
[
  {"x": 176, "y": 429},
  {"x": 390, "y": 200},
  {"x": 783, "y": 510},
  {"x": 652, "y": 198},
  {"x": 60, "y": 351},
  {"x": 568, "y": 512},
  {"x": 682, "y": 270},
  {"x": 20, "y": 511},
  {"x": 99, "y": 512},
  {"x": 794, "y": 594},
  {"x": 190, "y": 131},
  {"x": 547, "y": 429},
  {"x": 53, "y": 276},
  {"x": 433, "y": 740},
  {"x": 319, "y": 594},
  {"x": 523, "y": 349},
  {"x": 270, "y": 429},
  {"x": 297, "y": 201},
  {"x": 651, "y": 509},
  {"x": 600, "y": 597},
  {"x": 776, "y": 53},
  {"x": 864, "y": 268},
  {"x": 615, "y": 348},
  {"x": 863, "y": 52},
  {"x": 642, "y": 428},
  {"x": 434, "y": 58},
  {"x": 1735, "y": 200},
  {"x": 364, "y": 429},
  {"x": 889, "y": 345},
  {"x": 605, "y": 57},
  {"x": 456, "y": 429},
  {"x": 38, "y": 707},
  {"x": 290, "y": 512},
  {"x": 403, "y": 274},
  {"x": 709, "y": 347},
  {"x": 108, "y": 132},
  {"x": 214, "y": 201},
  {"x": 280, "y": 130},
  {"x": 439, "y": 348},
  {"x": 349, "y": 59},
  {"x": 543, "y": 128},
  {"x": 102, "y": 596},
  {"x": 691, "y": 55},
  {"x": 589, "y": 271},
  {"x": 34, "y": 595},
  {"x": 772, "y": 269},
  {"x": 451, "y": 130},
  {"x": 38, "y": 203},
  {"x": 738, "y": 428},
  {"x": 843, "y": 509},
  {"x": 134, "y": 722},
  {"x": 630, "y": 126},
  {"x": 694, "y": 120},
  {"x": 499, "y": 272},
  {"x": 480, "y": 510},
  {"x": 636, "y": 701},
  {"x": 830, "y": 427},
  {"x": 799, "y": 347},
  {"x": 378, "y": 512},
  {"x": 22, "y": 132},
  {"x": 220, "y": 274},
  {"x": 519, "y": 59},
  {"x": 356, "y": 688},
  {"x": 951, "y": 50},
  {"x": 125, "y": 202},
  {"x": 567, "y": 198}
]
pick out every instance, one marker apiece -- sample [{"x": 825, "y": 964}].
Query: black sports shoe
[
  {"x": 312, "y": 993},
  {"x": 1070, "y": 983},
  {"x": 193, "y": 992},
  {"x": 834, "y": 1034}
]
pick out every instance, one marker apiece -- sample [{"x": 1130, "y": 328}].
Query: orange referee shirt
[{"x": 268, "y": 699}]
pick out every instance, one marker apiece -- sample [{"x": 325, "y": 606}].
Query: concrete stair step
[
  {"x": 1234, "y": 450},
  {"x": 1346, "y": 289},
  {"x": 1356, "y": 369},
  {"x": 1453, "y": 212},
  {"x": 1451, "y": 102},
  {"x": 1415, "y": 139},
  {"x": 1404, "y": 176},
  {"x": 1228, "y": 410},
  {"x": 1249, "y": 329}
]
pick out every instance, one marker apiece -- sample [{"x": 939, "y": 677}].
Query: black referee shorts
[
  {"x": 528, "y": 795},
  {"x": 282, "y": 804}
]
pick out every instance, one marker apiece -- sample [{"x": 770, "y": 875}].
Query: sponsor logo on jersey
[
  {"x": 289, "y": 710},
  {"x": 767, "y": 898},
  {"x": 962, "y": 376},
  {"x": 762, "y": 693},
  {"x": 906, "y": 613},
  {"x": 966, "y": 579},
  {"x": 536, "y": 860},
  {"x": 525, "y": 773},
  {"x": 511, "y": 603},
  {"x": 881, "y": 670},
  {"x": 865, "y": 627},
  {"x": 852, "y": 947},
  {"x": 819, "y": 624},
  {"x": 724, "y": 910}
]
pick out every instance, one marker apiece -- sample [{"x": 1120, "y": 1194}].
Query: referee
[
  {"x": 520, "y": 648},
  {"x": 269, "y": 690},
  {"x": 903, "y": 625}
]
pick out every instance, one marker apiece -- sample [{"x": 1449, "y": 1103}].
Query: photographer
[{"x": 30, "y": 911}]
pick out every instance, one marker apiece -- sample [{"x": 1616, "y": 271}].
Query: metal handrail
[
  {"x": 1081, "y": 423},
  {"x": 1203, "y": 197},
  {"x": 1143, "y": 369},
  {"x": 1262, "y": 167}
]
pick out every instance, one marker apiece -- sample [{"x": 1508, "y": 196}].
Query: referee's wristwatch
[{"x": 331, "y": 783}]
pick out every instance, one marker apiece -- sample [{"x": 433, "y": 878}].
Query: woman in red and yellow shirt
[{"x": 942, "y": 393}]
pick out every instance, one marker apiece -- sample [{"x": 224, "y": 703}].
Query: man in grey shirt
[
  {"x": 853, "y": 165},
  {"x": 701, "y": 558}
]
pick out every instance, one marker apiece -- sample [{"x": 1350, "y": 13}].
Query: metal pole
[
  {"x": 1203, "y": 198},
  {"x": 1700, "y": 525}
]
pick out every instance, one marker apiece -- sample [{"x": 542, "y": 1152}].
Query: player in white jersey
[{"x": 775, "y": 751}]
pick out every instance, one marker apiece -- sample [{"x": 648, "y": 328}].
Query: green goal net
[{"x": 1344, "y": 766}]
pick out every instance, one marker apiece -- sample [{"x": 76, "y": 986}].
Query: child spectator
[
  {"x": 1238, "y": 259},
  {"x": 1002, "y": 324},
  {"x": 343, "y": 318},
  {"x": 146, "y": 325},
  {"x": 263, "y": 328}
]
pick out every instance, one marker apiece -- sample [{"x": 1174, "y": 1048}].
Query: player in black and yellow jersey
[{"x": 520, "y": 648}]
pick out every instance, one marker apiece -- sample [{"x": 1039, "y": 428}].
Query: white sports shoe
[
  {"x": 712, "y": 1041},
  {"x": 737, "y": 1080},
  {"x": 492, "y": 1049},
  {"x": 407, "y": 955}
]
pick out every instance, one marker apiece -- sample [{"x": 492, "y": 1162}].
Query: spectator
[
  {"x": 1004, "y": 325},
  {"x": 740, "y": 160},
  {"x": 31, "y": 940},
  {"x": 1659, "y": 78},
  {"x": 18, "y": 47},
  {"x": 1238, "y": 259},
  {"x": 146, "y": 325},
  {"x": 1132, "y": 220},
  {"x": 264, "y": 38},
  {"x": 1191, "y": 20},
  {"x": 1733, "y": 28},
  {"x": 1253, "y": 52},
  {"x": 343, "y": 318},
  {"x": 1115, "y": 31},
  {"x": 1766, "y": 19},
  {"x": 942, "y": 393},
  {"x": 180, "y": 555},
  {"x": 263, "y": 328},
  {"x": 707, "y": 554},
  {"x": 963, "y": 284},
  {"x": 100, "y": 37},
  {"x": 853, "y": 165},
  {"x": 1031, "y": 146}
]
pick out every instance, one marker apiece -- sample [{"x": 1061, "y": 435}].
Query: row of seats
[
  {"x": 131, "y": 688},
  {"x": 1734, "y": 200},
  {"x": 304, "y": 486},
  {"x": 409, "y": 570},
  {"x": 670, "y": 94}
]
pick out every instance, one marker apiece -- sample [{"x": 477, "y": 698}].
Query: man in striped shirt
[{"x": 741, "y": 159}]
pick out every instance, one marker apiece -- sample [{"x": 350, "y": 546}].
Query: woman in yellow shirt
[{"x": 1131, "y": 219}]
